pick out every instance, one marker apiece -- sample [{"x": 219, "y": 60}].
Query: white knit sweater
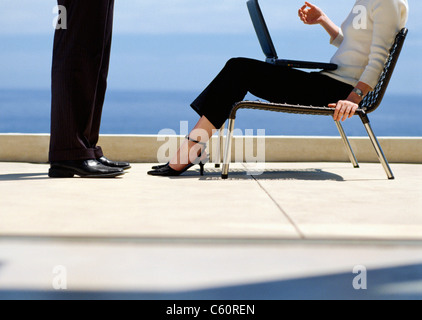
[{"x": 365, "y": 40}]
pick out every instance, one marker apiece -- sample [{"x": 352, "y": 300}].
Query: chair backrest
[{"x": 374, "y": 98}]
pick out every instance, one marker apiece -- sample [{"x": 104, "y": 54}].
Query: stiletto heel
[
  {"x": 201, "y": 168},
  {"x": 167, "y": 171}
]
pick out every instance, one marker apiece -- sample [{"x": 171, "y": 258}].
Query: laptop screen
[{"x": 261, "y": 29}]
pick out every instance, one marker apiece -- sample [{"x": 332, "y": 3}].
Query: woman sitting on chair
[{"x": 363, "y": 43}]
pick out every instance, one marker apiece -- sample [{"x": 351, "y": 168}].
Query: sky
[{"x": 183, "y": 44}]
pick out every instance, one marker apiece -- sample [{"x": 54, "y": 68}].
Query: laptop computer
[{"x": 268, "y": 47}]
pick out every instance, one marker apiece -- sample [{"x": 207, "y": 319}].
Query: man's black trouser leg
[{"x": 81, "y": 56}]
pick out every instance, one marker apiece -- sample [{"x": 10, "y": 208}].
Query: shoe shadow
[{"x": 23, "y": 176}]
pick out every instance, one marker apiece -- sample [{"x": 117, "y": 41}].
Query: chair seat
[{"x": 285, "y": 108}]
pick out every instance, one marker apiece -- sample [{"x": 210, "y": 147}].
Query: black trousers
[
  {"x": 266, "y": 81},
  {"x": 81, "y": 56}
]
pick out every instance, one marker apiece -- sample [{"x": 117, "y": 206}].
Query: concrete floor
[{"x": 297, "y": 231}]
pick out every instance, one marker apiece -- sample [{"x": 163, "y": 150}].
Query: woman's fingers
[
  {"x": 344, "y": 110},
  {"x": 302, "y": 13},
  {"x": 337, "y": 111},
  {"x": 347, "y": 112},
  {"x": 353, "y": 111},
  {"x": 309, "y": 13},
  {"x": 335, "y": 106},
  {"x": 308, "y": 4}
]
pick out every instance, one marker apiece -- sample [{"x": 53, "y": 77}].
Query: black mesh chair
[{"x": 370, "y": 103}]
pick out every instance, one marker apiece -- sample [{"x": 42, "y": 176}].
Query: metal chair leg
[
  {"x": 377, "y": 146},
  {"x": 228, "y": 151},
  {"x": 349, "y": 149},
  {"x": 220, "y": 146}
]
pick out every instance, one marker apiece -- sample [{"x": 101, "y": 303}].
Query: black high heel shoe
[
  {"x": 166, "y": 171},
  {"x": 160, "y": 166}
]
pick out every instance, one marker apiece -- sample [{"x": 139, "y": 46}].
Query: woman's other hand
[
  {"x": 311, "y": 14},
  {"x": 347, "y": 108},
  {"x": 344, "y": 109}
]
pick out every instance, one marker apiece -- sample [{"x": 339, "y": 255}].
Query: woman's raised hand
[{"x": 311, "y": 14}]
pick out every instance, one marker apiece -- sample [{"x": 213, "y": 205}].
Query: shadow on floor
[
  {"x": 242, "y": 174},
  {"x": 23, "y": 176},
  {"x": 396, "y": 283}
]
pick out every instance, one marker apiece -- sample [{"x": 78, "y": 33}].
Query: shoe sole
[
  {"x": 114, "y": 167},
  {"x": 68, "y": 173}
]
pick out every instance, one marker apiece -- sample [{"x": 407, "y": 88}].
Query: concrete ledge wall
[{"x": 145, "y": 148}]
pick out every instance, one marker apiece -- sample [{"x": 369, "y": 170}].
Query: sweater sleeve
[
  {"x": 338, "y": 40},
  {"x": 386, "y": 15}
]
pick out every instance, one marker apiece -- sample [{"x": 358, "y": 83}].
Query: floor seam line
[{"x": 284, "y": 213}]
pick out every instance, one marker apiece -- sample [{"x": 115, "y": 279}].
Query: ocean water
[{"x": 151, "y": 112}]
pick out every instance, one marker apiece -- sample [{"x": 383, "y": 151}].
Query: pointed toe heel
[
  {"x": 167, "y": 171},
  {"x": 160, "y": 166}
]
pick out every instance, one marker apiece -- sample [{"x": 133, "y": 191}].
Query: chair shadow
[
  {"x": 23, "y": 176},
  {"x": 276, "y": 174}
]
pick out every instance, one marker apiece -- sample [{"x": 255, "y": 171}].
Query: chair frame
[{"x": 369, "y": 104}]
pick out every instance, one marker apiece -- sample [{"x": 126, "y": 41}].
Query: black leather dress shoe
[
  {"x": 83, "y": 169},
  {"x": 114, "y": 164}
]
